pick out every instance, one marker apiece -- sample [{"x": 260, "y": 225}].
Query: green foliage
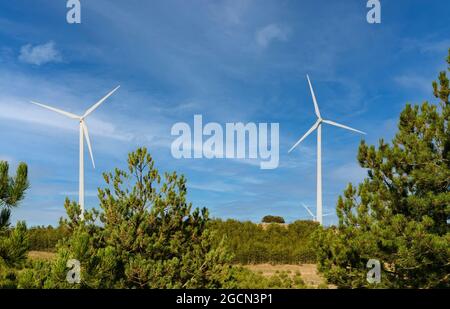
[
  {"x": 12, "y": 190},
  {"x": 14, "y": 246},
  {"x": 5, "y": 215},
  {"x": 43, "y": 238},
  {"x": 8, "y": 277},
  {"x": 272, "y": 219},
  {"x": 35, "y": 275},
  {"x": 13, "y": 253},
  {"x": 13, "y": 241},
  {"x": 243, "y": 278},
  {"x": 399, "y": 214},
  {"x": 144, "y": 236},
  {"x": 253, "y": 243}
]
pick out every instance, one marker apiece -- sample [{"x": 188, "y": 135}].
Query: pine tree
[
  {"x": 12, "y": 190},
  {"x": 399, "y": 213},
  {"x": 13, "y": 241},
  {"x": 145, "y": 235}
]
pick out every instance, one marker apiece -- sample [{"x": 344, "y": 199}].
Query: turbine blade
[
  {"x": 88, "y": 141},
  {"x": 67, "y": 114},
  {"x": 324, "y": 215},
  {"x": 306, "y": 134},
  {"x": 316, "y": 106},
  {"x": 94, "y": 107},
  {"x": 342, "y": 126},
  {"x": 307, "y": 209}
]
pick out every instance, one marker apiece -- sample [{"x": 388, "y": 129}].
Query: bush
[
  {"x": 13, "y": 254},
  {"x": 243, "y": 278},
  {"x": 273, "y": 219}
]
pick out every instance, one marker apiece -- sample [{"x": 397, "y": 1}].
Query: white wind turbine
[
  {"x": 311, "y": 213},
  {"x": 83, "y": 134},
  {"x": 318, "y": 125}
]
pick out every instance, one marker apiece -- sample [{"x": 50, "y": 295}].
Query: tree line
[
  {"x": 252, "y": 243},
  {"x": 45, "y": 238},
  {"x": 248, "y": 242}
]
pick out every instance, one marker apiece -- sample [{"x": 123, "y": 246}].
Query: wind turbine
[
  {"x": 84, "y": 133},
  {"x": 311, "y": 213},
  {"x": 318, "y": 125}
]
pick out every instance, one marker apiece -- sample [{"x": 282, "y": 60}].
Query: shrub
[{"x": 273, "y": 219}]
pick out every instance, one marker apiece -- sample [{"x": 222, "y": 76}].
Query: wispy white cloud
[
  {"x": 214, "y": 186},
  {"x": 17, "y": 109},
  {"x": 229, "y": 12},
  {"x": 437, "y": 46},
  {"x": 40, "y": 54},
  {"x": 426, "y": 45},
  {"x": 270, "y": 33},
  {"x": 5, "y": 158},
  {"x": 17, "y": 89},
  {"x": 87, "y": 193},
  {"x": 349, "y": 172},
  {"x": 414, "y": 81}
]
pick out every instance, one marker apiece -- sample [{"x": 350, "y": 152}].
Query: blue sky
[{"x": 231, "y": 61}]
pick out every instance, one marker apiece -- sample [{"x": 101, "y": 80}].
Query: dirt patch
[
  {"x": 265, "y": 226},
  {"x": 308, "y": 272},
  {"x": 41, "y": 255}
]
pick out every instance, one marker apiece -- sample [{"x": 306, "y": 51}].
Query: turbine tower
[
  {"x": 318, "y": 125},
  {"x": 84, "y": 134}
]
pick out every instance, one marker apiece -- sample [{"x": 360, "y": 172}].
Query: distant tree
[
  {"x": 399, "y": 213},
  {"x": 145, "y": 235},
  {"x": 273, "y": 219}
]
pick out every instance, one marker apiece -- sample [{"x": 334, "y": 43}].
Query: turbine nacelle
[
  {"x": 81, "y": 119},
  {"x": 320, "y": 120}
]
